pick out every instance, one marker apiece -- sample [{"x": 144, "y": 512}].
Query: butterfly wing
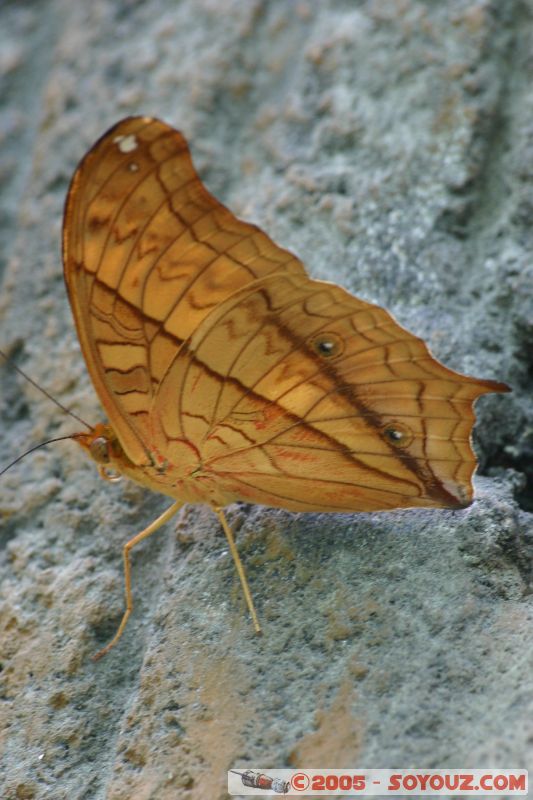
[
  {"x": 148, "y": 252},
  {"x": 299, "y": 395}
]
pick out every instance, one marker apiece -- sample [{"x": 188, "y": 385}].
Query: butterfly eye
[
  {"x": 327, "y": 345},
  {"x": 99, "y": 450},
  {"x": 398, "y": 434}
]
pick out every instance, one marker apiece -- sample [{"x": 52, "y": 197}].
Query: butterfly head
[{"x": 102, "y": 445}]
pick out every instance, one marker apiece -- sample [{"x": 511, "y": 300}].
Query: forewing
[
  {"x": 148, "y": 253},
  {"x": 299, "y": 395}
]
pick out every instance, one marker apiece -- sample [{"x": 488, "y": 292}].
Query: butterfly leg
[
  {"x": 239, "y": 567},
  {"x": 154, "y": 526}
]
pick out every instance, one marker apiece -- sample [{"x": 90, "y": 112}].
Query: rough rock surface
[{"x": 388, "y": 143}]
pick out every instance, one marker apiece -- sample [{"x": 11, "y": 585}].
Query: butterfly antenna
[
  {"x": 49, "y": 396},
  {"x": 36, "y": 447}
]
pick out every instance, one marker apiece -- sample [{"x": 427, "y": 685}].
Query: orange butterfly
[{"x": 228, "y": 374}]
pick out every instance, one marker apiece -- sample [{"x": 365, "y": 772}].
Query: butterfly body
[{"x": 226, "y": 372}]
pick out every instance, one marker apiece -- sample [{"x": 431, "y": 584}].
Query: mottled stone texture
[{"x": 389, "y": 143}]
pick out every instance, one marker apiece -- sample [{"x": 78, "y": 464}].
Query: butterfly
[{"x": 227, "y": 373}]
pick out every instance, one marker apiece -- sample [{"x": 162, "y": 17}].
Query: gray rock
[{"x": 389, "y": 144}]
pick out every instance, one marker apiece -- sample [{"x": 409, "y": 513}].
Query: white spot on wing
[{"x": 126, "y": 144}]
